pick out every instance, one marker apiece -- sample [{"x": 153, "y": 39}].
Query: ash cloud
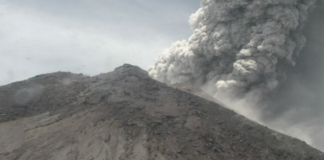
[{"x": 262, "y": 58}]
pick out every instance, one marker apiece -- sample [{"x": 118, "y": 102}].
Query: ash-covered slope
[{"x": 126, "y": 115}]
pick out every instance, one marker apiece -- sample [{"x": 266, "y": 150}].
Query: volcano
[{"x": 125, "y": 114}]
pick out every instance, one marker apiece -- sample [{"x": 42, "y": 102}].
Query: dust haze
[{"x": 262, "y": 59}]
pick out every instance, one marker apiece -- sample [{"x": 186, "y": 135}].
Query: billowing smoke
[{"x": 252, "y": 54}]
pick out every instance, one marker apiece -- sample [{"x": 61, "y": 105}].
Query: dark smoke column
[{"x": 238, "y": 47}]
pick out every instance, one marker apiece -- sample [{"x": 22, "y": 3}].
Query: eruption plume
[{"x": 248, "y": 50}]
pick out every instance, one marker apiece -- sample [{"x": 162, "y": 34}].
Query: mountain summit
[{"x": 126, "y": 115}]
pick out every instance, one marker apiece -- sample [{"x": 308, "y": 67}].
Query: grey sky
[{"x": 86, "y": 36}]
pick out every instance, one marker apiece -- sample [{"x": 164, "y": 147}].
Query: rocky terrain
[{"x": 126, "y": 115}]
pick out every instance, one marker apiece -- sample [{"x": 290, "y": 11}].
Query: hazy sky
[{"x": 87, "y": 36}]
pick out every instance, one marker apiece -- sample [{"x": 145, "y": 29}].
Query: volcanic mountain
[{"x": 126, "y": 115}]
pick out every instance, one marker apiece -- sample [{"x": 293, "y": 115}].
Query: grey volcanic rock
[{"x": 125, "y": 114}]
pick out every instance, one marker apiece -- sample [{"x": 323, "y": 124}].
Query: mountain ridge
[{"x": 125, "y": 114}]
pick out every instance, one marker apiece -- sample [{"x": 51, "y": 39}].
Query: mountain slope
[{"x": 125, "y": 114}]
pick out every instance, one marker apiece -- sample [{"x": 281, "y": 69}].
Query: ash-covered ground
[{"x": 125, "y": 114}]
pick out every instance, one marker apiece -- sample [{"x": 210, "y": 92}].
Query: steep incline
[{"x": 126, "y": 115}]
